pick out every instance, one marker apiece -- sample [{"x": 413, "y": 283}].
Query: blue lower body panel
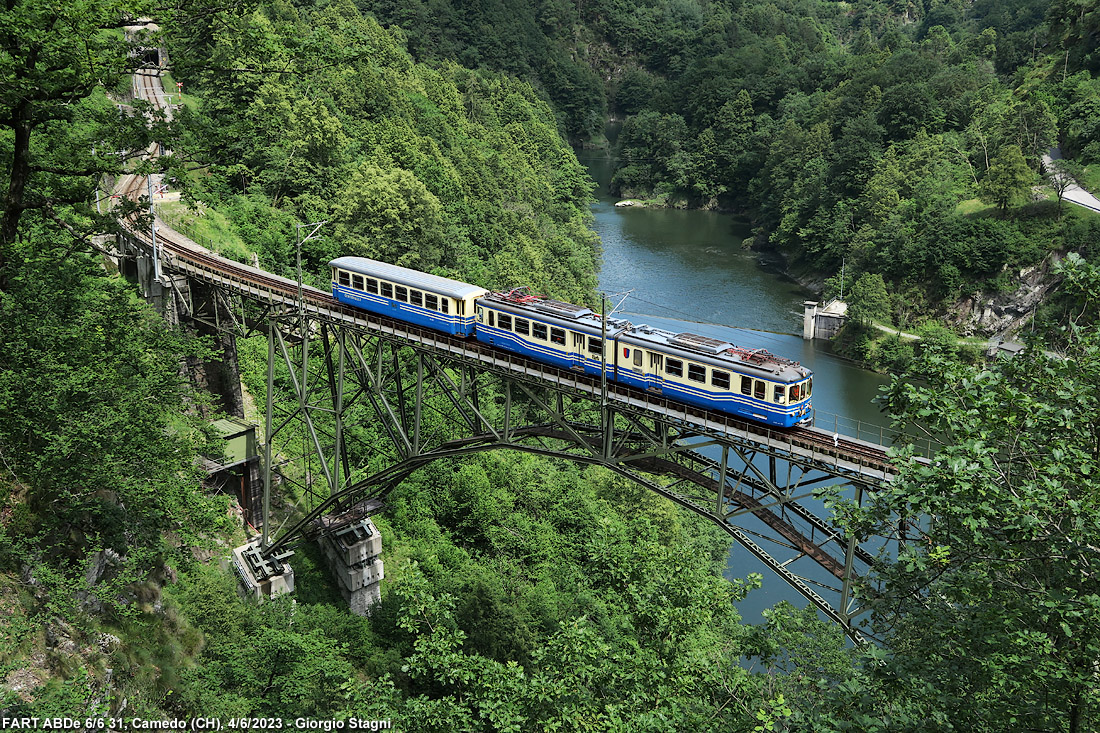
[
  {"x": 732, "y": 403},
  {"x": 407, "y": 312},
  {"x": 553, "y": 354}
]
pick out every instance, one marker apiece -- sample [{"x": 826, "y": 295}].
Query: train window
[
  {"x": 357, "y": 282},
  {"x": 504, "y": 321},
  {"x": 760, "y": 387},
  {"x": 779, "y": 394},
  {"x": 795, "y": 393},
  {"x": 444, "y": 304},
  {"x": 746, "y": 385},
  {"x": 521, "y": 325},
  {"x": 491, "y": 314},
  {"x": 637, "y": 357},
  {"x": 345, "y": 278},
  {"x": 387, "y": 290},
  {"x": 416, "y": 297},
  {"x": 557, "y": 335},
  {"x": 809, "y": 386},
  {"x": 655, "y": 360},
  {"x": 721, "y": 380},
  {"x": 431, "y": 302},
  {"x": 402, "y": 294},
  {"x": 674, "y": 368},
  {"x": 372, "y": 285},
  {"x": 595, "y": 346},
  {"x": 697, "y": 373},
  {"x": 578, "y": 341},
  {"x": 461, "y": 308},
  {"x": 538, "y": 330}
]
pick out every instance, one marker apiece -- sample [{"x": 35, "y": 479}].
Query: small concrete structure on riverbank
[{"x": 823, "y": 323}]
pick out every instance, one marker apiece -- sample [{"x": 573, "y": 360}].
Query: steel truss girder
[
  {"x": 491, "y": 409},
  {"x": 225, "y": 311}
]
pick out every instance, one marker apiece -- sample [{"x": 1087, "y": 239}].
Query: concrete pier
[
  {"x": 259, "y": 577},
  {"x": 354, "y": 555}
]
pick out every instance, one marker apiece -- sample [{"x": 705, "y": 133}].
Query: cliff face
[{"x": 1004, "y": 314}]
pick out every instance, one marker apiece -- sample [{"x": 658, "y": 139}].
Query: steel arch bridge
[
  {"x": 337, "y": 367},
  {"x": 334, "y": 367}
]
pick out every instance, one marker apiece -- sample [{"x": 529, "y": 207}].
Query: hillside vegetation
[
  {"x": 901, "y": 139},
  {"x": 325, "y": 117},
  {"x": 493, "y": 617},
  {"x": 521, "y": 593}
]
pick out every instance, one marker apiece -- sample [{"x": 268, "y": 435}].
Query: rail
[{"x": 857, "y": 453}]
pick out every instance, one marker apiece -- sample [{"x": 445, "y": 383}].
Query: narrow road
[
  {"x": 1074, "y": 193},
  {"x": 896, "y": 332}
]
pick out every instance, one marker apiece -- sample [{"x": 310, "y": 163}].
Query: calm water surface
[{"x": 687, "y": 271}]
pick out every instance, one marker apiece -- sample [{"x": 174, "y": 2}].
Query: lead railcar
[{"x": 695, "y": 369}]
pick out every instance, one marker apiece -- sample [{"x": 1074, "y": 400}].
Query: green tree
[
  {"x": 654, "y": 151},
  {"x": 92, "y": 397},
  {"x": 58, "y": 131},
  {"x": 1009, "y": 179},
  {"x": 1061, "y": 174},
  {"x": 993, "y": 598},
  {"x": 391, "y": 216},
  {"x": 868, "y": 300}
]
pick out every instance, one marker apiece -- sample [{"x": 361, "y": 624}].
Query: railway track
[{"x": 176, "y": 246}]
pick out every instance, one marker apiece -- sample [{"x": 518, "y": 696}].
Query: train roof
[
  {"x": 557, "y": 312},
  {"x": 409, "y": 277}
]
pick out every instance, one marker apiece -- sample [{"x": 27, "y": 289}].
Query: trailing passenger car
[{"x": 405, "y": 294}]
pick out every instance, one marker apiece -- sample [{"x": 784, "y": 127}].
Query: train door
[
  {"x": 656, "y": 371},
  {"x": 637, "y": 365},
  {"x": 577, "y": 352}
]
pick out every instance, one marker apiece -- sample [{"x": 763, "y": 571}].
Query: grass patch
[
  {"x": 192, "y": 103},
  {"x": 206, "y": 227},
  {"x": 975, "y": 208},
  {"x": 1090, "y": 181},
  {"x": 1078, "y": 212},
  {"x": 19, "y": 633}
]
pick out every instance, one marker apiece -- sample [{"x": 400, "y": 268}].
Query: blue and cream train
[{"x": 687, "y": 367}]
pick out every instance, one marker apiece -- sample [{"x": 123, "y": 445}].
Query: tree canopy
[
  {"x": 451, "y": 170},
  {"x": 424, "y": 134},
  {"x": 59, "y": 133}
]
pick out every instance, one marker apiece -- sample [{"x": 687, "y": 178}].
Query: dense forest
[{"x": 903, "y": 139}]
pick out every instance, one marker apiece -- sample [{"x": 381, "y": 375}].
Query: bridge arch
[{"x": 364, "y": 497}]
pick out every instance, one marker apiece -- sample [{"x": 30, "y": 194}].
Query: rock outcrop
[{"x": 1002, "y": 315}]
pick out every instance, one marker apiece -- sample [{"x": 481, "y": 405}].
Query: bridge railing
[{"x": 869, "y": 432}]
